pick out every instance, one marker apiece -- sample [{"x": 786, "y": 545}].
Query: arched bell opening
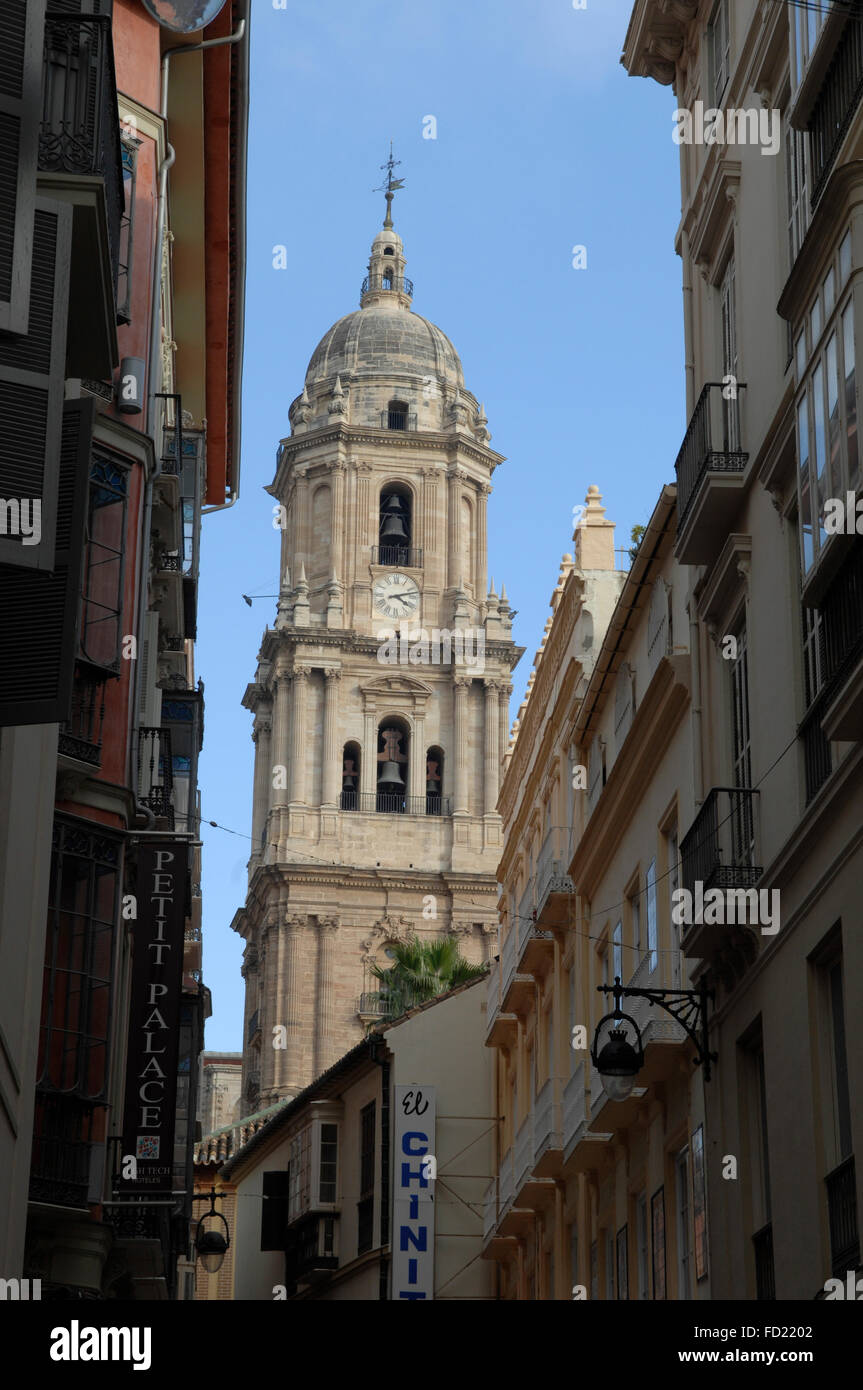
[
  {"x": 396, "y": 525},
  {"x": 434, "y": 781},
  {"x": 351, "y": 758},
  {"x": 393, "y": 764}
]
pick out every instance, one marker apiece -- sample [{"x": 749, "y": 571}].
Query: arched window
[
  {"x": 397, "y": 415},
  {"x": 388, "y": 251},
  {"x": 395, "y": 526},
  {"x": 434, "y": 782},
  {"x": 351, "y": 758},
  {"x": 388, "y": 279},
  {"x": 393, "y": 762}
]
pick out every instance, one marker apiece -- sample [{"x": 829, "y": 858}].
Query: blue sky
[{"x": 543, "y": 143}]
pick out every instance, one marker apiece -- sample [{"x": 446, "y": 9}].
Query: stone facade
[{"x": 339, "y": 870}]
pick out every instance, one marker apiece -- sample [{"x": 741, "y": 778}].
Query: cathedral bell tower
[{"x": 381, "y": 695}]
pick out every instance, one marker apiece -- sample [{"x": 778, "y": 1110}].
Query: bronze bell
[
  {"x": 390, "y": 774},
  {"x": 393, "y": 529}
]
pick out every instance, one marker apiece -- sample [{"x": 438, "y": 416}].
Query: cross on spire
[{"x": 391, "y": 186}]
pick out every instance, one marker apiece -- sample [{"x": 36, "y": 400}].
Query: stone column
[
  {"x": 454, "y": 477},
  {"x": 369, "y": 758},
  {"x": 480, "y": 587},
  {"x": 291, "y": 999},
  {"x": 327, "y": 931},
  {"x": 417, "y": 774},
  {"x": 262, "y": 738},
  {"x": 337, "y": 529},
  {"x": 302, "y": 538},
  {"x": 332, "y": 767},
  {"x": 298, "y": 734},
  {"x": 461, "y": 685},
  {"x": 491, "y": 780},
  {"x": 504, "y": 692},
  {"x": 278, "y": 795}
]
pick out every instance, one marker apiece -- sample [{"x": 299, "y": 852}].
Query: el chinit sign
[{"x": 154, "y": 1018}]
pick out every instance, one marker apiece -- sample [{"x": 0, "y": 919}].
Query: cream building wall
[
  {"x": 771, "y": 250},
  {"x": 333, "y": 880}
]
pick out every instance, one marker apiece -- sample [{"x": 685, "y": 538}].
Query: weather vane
[{"x": 391, "y": 186}]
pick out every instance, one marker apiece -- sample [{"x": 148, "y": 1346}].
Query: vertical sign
[
  {"x": 154, "y": 1019},
  {"x": 413, "y": 1192}
]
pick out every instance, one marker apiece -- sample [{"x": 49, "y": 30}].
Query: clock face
[{"x": 396, "y": 596}]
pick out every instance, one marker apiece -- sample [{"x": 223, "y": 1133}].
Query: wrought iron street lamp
[
  {"x": 211, "y": 1246},
  {"x": 620, "y": 1059}
]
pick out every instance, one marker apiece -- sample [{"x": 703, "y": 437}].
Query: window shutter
[
  {"x": 20, "y": 111},
  {"x": 150, "y": 706},
  {"x": 32, "y": 370},
  {"x": 39, "y": 612}
]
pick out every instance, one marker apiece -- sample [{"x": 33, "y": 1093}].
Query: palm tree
[{"x": 422, "y": 970}]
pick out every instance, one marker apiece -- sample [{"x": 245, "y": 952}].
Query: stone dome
[{"x": 385, "y": 340}]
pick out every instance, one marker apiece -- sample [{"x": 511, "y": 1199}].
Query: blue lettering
[{"x": 420, "y": 1239}]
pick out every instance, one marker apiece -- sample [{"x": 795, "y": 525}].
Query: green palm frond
[{"x": 422, "y": 970}]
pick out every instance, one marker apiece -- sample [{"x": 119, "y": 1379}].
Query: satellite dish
[{"x": 184, "y": 16}]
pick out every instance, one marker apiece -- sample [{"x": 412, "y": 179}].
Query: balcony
[
  {"x": 395, "y": 804},
  {"x": 377, "y": 282},
  {"x": 710, "y": 468},
  {"x": 548, "y": 1130},
  {"x": 517, "y": 990},
  {"x": 63, "y": 1144},
  {"x": 836, "y": 105},
  {"x": 841, "y": 1187},
  {"x": 501, "y": 1029},
  {"x": 310, "y": 1248},
  {"x": 156, "y": 775},
  {"x": 718, "y": 851},
  {"x": 81, "y": 735},
  {"x": 661, "y": 1035},
  {"x": 817, "y": 757},
  {"x": 554, "y": 887},
  {"x": 80, "y": 163},
  {"x": 842, "y": 646},
  {"x": 765, "y": 1276},
  {"x": 401, "y": 556}
]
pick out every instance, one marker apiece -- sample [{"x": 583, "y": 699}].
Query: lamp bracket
[{"x": 688, "y": 1007}]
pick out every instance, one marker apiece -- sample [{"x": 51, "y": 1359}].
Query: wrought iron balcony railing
[
  {"x": 377, "y": 282},
  {"x": 395, "y": 804},
  {"x": 842, "y": 618},
  {"x": 842, "y": 1212},
  {"x": 817, "y": 758},
  {"x": 836, "y": 104},
  {"x": 62, "y": 1147},
  {"x": 81, "y": 735},
  {"x": 405, "y": 556},
  {"x": 711, "y": 443},
  {"x": 718, "y": 850},
  {"x": 80, "y": 129},
  {"x": 156, "y": 773}
]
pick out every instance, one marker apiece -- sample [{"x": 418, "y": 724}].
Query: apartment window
[
  {"x": 718, "y": 50},
  {"x": 609, "y": 1265},
  {"x": 622, "y": 1263},
  {"x": 329, "y": 1162},
  {"x": 102, "y": 595},
  {"x": 635, "y": 920},
  {"x": 652, "y": 943},
  {"x": 796, "y": 175},
  {"x": 617, "y": 946},
  {"x": 681, "y": 1166},
  {"x": 573, "y": 1252},
  {"x": 594, "y": 1270},
  {"x": 827, "y": 449},
  {"x": 672, "y": 856},
  {"x": 657, "y": 1227},
  {"x": 754, "y": 1098},
  {"x": 573, "y": 1057},
  {"x": 840, "y": 1179},
  {"x": 129, "y": 147},
  {"x": 549, "y": 1040},
  {"x": 808, "y": 22},
  {"x": 699, "y": 1204},
  {"x": 730, "y": 366},
  {"x": 300, "y": 1169},
  {"x": 274, "y": 1209},
  {"x": 82, "y": 904},
  {"x": 366, "y": 1206},
  {"x": 741, "y": 751},
  {"x": 642, "y": 1246}
]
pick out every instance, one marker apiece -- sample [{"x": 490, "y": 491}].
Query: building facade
[
  {"x": 327, "y": 1198},
  {"x": 132, "y": 432},
  {"x": 377, "y": 756},
  {"x": 772, "y": 250}
]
